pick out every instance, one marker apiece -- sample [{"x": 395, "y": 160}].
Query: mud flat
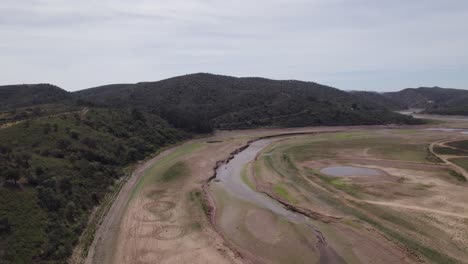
[
  {"x": 256, "y": 204},
  {"x": 269, "y": 202},
  {"x": 287, "y": 233},
  {"x": 392, "y": 192},
  {"x": 343, "y": 171}
]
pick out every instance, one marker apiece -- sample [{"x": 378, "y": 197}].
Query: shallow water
[
  {"x": 343, "y": 171},
  {"x": 229, "y": 176}
]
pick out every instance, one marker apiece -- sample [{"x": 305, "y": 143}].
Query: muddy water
[
  {"x": 229, "y": 178},
  {"x": 344, "y": 171}
]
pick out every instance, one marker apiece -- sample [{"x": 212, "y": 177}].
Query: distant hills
[
  {"x": 200, "y": 102},
  {"x": 433, "y": 100},
  {"x": 16, "y": 96}
]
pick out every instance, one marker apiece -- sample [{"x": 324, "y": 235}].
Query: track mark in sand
[
  {"x": 149, "y": 257},
  {"x": 416, "y": 208},
  {"x": 327, "y": 254},
  {"x": 159, "y": 206},
  {"x": 143, "y": 231},
  {"x": 163, "y": 216},
  {"x": 156, "y": 194},
  {"x": 169, "y": 232}
]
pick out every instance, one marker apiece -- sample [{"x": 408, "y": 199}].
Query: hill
[
  {"x": 55, "y": 169},
  {"x": 16, "y": 96},
  {"x": 201, "y": 102},
  {"x": 380, "y": 99},
  {"x": 434, "y": 100}
]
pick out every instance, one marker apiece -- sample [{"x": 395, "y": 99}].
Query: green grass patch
[
  {"x": 461, "y": 144},
  {"x": 340, "y": 184},
  {"x": 449, "y": 151},
  {"x": 462, "y": 162},
  {"x": 406, "y": 131},
  {"x": 174, "y": 172},
  {"x": 280, "y": 190},
  {"x": 457, "y": 176}
]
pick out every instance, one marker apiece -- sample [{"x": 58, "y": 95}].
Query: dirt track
[{"x": 105, "y": 234}]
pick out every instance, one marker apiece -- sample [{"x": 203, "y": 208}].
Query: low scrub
[{"x": 56, "y": 169}]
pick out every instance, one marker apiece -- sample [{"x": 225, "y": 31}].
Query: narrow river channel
[{"x": 229, "y": 179}]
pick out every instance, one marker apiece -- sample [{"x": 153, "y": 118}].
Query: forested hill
[
  {"x": 55, "y": 169},
  {"x": 381, "y": 99},
  {"x": 201, "y": 102},
  {"x": 16, "y": 96},
  {"x": 435, "y": 100}
]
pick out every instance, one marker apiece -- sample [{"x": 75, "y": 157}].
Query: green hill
[
  {"x": 380, "y": 99},
  {"x": 201, "y": 102},
  {"x": 17, "y": 96},
  {"x": 435, "y": 100},
  {"x": 55, "y": 169}
]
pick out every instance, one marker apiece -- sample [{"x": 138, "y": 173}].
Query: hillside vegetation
[
  {"x": 55, "y": 169},
  {"x": 435, "y": 100},
  {"x": 381, "y": 99},
  {"x": 17, "y": 96},
  {"x": 201, "y": 102}
]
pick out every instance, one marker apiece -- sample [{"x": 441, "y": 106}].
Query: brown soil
[{"x": 162, "y": 223}]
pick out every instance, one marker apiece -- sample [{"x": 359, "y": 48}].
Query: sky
[{"x": 348, "y": 44}]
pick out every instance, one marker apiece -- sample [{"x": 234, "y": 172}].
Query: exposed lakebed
[
  {"x": 230, "y": 213},
  {"x": 345, "y": 171}
]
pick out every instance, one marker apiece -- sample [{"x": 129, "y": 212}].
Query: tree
[
  {"x": 46, "y": 129},
  {"x": 74, "y": 134},
  {"x": 13, "y": 175},
  {"x": 138, "y": 116},
  {"x": 5, "y": 225},
  {"x": 70, "y": 209}
]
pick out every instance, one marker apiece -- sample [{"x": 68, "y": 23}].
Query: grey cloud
[{"x": 359, "y": 44}]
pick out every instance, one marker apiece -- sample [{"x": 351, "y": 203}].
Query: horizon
[
  {"x": 351, "y": 45},
  {"x": 130, "y": 83}
]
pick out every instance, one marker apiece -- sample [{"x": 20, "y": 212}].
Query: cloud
[{"x": 360, "y": 44}]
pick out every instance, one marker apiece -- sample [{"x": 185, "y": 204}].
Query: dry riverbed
[{"x": 256, "y": 210}]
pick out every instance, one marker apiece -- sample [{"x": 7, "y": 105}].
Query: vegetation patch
[
  {"x": 462, "y": 144},
  {"x": 457, "y": 176},
  {"x": 340, "y": 184},
  {"x": 176, "y": 171},
  {"x": 23, "y": 226},
  {"x": 280, "y": 190},
  {"x": 67, "y": 164},
  {"x": 449, "y": 151},
  {"x": 431, "y": 157},
  {"x": 197, "y": 196},
  {"x": 462, "y": 162}
]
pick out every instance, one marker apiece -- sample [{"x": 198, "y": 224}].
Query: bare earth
[{"x": 156, "y": 221}]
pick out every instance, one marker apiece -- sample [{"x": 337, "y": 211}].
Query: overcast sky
[{"x": 348, "y": 44}]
